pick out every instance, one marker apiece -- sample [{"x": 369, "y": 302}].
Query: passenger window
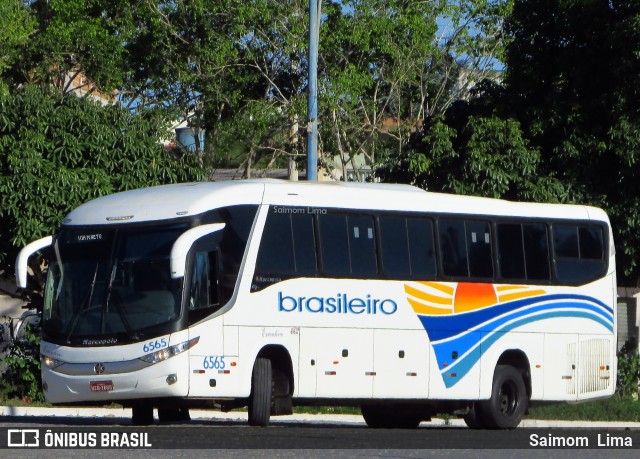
[
  {"x": 421, "y": 248},
  {"x": 453, "y": 247},
  {"x": 304, "y": 244},
  {"x": 394, "y": 247},
  {"x": 511, "y": 251},
  {"x": 334, "y": 244},
  {"x": 565, "y": 241},
  {"x": 479, "y": 249},
  {"x": 523, "y": 251},
  {"x": 579, "y": 252},
  {"x": 275, "y": 255},
  {"x": 591, "y": 243},
  {"x": 288, "y": 244},
  {"x": 362, "y": 246},
  {"x": 536, "y": 250}
]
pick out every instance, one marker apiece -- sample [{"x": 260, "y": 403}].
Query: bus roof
[{"x": 188, "y": 199}]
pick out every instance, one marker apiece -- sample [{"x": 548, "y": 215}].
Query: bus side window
[
  {"x": 579, "y": 253},
  {"x": 304, "y": 244},
  {"x": 205, "y": 290},
  {"x": 288, "y": 245},
  {"x": 362, "y": 246},
  {"x": 479, "y": 249},
  {"x": 536, "y": 251},
  {"x": 394, "y": 246},
  {"x": 511, "y": 251},
  {"x": 421, "y": 248},
  {"x": 334, "y": 244},
  {"x": 453, "y": 247},
  {"x": 276, "y": 255}
]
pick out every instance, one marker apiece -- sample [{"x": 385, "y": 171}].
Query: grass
[{"x": 612, "y": 409}]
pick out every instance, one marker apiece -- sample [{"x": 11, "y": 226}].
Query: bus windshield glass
[{"x": 111, "y": 285}]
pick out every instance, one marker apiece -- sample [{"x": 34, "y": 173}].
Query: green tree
[
  {"x": 389, "y": 65},
  {"x": 73, "y": 37},
  {"x": 57, "y": 152},
  {"x": 571, "y": 78},
  {"x": 16, "y": 26},
  {"x": 239, "y": 70}
]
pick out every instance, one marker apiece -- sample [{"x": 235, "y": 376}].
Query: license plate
[{"x": 101, "y": 386}]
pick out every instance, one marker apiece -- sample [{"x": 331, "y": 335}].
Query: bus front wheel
[{"x": 261, "y": 393}]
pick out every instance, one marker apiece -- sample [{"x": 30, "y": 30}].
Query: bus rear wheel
[
  {"x": 261, "y": 397},
  {"x": 507, "y": 405}
]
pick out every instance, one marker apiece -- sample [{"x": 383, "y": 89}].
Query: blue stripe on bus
[
  {"x": 462, "y": 366},
  {"x": 445, "y": 326}
]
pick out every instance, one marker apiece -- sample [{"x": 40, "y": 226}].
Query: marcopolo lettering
[{"x": 339, "y": 304}]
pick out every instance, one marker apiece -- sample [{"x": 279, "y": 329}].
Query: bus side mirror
[
  {"x": 23, "y": 258},
  {"x": 182, "y": 245}
]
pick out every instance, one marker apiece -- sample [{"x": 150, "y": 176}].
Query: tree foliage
[
  {"x": 57, "y": 152},
  {"x": 571, "y": 78}
]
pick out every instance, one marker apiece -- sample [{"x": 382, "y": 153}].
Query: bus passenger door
[{"x": 207, "y": 360}]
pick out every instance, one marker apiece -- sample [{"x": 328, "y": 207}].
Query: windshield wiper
[
  {"x": 87, "y": 301},
  {"x": 119, "y": 308}
]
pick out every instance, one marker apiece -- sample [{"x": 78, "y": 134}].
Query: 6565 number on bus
[{"x": 214, "y": 362}]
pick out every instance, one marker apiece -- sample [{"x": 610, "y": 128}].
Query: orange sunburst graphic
[
  {"x": 439, "y": 298},
  {"x": 517, "y": 292},
  {"x": 432, "y": 298},
  {"x": 471, "y": 296}
]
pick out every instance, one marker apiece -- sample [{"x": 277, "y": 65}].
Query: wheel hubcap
[{"x": 508, "y": 398}]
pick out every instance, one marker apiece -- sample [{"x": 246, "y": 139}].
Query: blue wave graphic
[
  {"x": 449, "y": 335},
  {"x": 461, "y": 367},
  {"x": 443, "y": 327}
]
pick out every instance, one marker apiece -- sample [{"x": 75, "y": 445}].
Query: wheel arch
[{"x": 517, "y": 359}]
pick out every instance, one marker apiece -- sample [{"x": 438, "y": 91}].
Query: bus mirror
[
  {"x": 183, "y": 244},
  {"x": 23, "y": 258}
]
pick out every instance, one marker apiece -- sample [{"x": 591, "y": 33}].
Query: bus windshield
[{"x": 109, "y": 285}]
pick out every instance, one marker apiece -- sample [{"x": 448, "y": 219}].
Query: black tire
[
  {"x": 508, "y": 402},
  {"x": 142, "y": 414},
  {"x": 173, "y": 414},
  {"x": 388, "y": 417},
  {"x": 261, "y": 397}
]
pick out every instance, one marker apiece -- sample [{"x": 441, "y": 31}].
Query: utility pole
[{"x": 312, "y": 107}]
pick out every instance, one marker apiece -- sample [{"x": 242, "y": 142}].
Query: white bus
[{"x": 269, "y": 294}]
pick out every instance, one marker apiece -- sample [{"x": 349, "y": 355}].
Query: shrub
[{"x": 21, "y": 379}]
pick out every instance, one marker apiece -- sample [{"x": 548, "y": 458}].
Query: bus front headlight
[
  {"x": 50, "y": 362},
  {"x": 164, "y": 354}
]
